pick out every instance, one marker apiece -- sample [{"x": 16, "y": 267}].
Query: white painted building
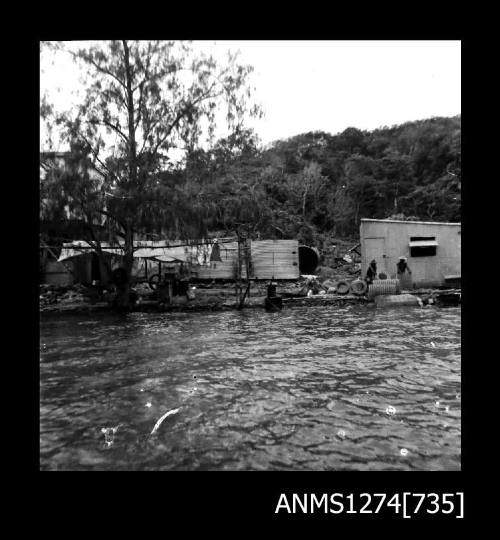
[{"x": 433, "y": 249}]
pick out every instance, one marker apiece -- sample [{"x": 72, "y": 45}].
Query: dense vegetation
[{"x": 317, "y": 184}]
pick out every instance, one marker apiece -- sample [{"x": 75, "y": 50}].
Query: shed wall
[
  {"x": 225, "y": 269},
  {"x": 57, "y": 273},
  {"x": 278, "y": 259}
]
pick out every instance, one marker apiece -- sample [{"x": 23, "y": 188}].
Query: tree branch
[
  {"x": 114, "y": 218},
  {"x": 182, "y": 113},
  {"x": 140, "y": 86},
  {"x": 132, "y": 150},
  {"x": 94, "y": 152},
  {"x": 148, "y": 131},
  {"x": 87, "y": 58},
  {"x": 112, "y": 126}
]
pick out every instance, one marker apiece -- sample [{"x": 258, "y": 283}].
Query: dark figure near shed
[
  {"x": 371, "y": 273},
  {"x": 404, "y": 273},
  {"x": 164, "y": 290},
  {"x": 403, "y": 266}
]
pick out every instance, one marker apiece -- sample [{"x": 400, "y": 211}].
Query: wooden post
[
  {"x": 247, "y": 261},
  {"x": 246, "y": 248},
  {"x": 238, "y": 286},
  {"x": 247, "y": 292}
]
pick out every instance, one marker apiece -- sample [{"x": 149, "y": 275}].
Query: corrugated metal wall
[
  {"x": 278, "y": 259},
  {"x": 225, "y": 269}
]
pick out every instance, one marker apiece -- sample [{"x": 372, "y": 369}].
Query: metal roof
[
  {"x": 416, "y": 222},
  {"x": 199, "y": 253},
  {"x": 423, "y": 243}
]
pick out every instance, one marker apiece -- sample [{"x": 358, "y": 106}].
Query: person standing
[
  {"x": 371, "y": 273},
  {"x": 404, "y": 273}
]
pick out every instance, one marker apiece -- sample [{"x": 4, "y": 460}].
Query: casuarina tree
[{"x": 141, "y": 101}]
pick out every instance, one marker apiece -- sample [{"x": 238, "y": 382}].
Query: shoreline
[{"x": 223, "y": 304}]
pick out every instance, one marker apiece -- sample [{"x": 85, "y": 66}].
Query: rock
[{"x": 387, "y": 300}]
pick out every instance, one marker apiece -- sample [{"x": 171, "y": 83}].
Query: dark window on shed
[
  {"x": 423, "y": 246},
  {"x": 422, "y": 251}
]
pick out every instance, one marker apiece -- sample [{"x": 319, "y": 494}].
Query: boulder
[{"x": 390, "y": 300}]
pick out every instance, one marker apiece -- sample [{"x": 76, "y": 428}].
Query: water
[{"x": 321, "y": 388}]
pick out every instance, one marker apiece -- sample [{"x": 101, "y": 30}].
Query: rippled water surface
[{"x": 322, "y": 388}]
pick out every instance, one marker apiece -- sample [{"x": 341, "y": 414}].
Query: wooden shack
[
  {"x": 269, "y": 259},
  {"x": 275, "y": 259},
  {"x": 264, "y": 259},
  {"x": 83, "y": 269},
  {"x": 432, "y": 249},
  {"x": 226, "y": 268}
]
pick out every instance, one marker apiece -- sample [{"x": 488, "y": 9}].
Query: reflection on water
[{"x": 328, "y": 388}]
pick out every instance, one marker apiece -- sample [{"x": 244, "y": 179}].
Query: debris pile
[
  {"x": 143, "y": 289},
  {"x": 60, "y": 294}
]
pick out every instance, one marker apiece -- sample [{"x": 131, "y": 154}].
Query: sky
[{"x": 324, "y": 85}]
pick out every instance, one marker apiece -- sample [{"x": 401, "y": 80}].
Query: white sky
[{"x": 326, "y": 85}]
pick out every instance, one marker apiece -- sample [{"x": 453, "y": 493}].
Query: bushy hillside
[
  {"x": 318, "y": 184},
  {"x": 313, "y": 187}
]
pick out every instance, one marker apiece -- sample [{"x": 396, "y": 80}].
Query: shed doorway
[{"x": 375, "y": 249}]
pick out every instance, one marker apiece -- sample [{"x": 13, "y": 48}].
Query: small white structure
[{"x": 433, "y": 249}]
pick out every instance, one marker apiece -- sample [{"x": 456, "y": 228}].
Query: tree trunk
[
  {"x": 304, "y": 199},
  {"x": 356, "y": 214},
  {"x": 132, "y": 150},
  {"x": 123, "y": 300},
  {"x": 98, "y": 248}
]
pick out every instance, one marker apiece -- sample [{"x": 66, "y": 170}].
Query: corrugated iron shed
[
  {"x": 226, "y": 268},
  {"x": 193, "y": 254},
  {"x": 278, "y": 259}
]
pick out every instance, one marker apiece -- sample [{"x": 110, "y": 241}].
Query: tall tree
[{"x": 143, "y": 100}]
